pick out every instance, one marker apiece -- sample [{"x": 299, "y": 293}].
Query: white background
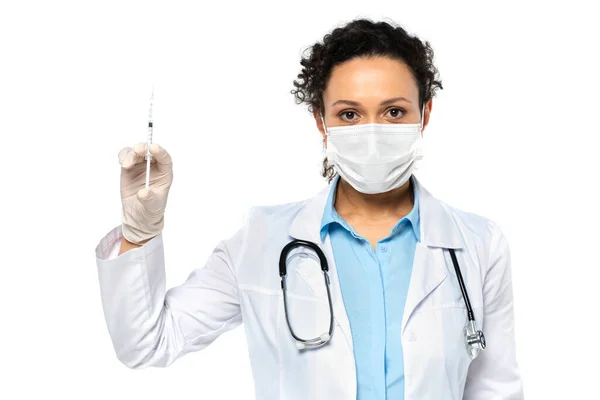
[{"x": 513, "y": 136}]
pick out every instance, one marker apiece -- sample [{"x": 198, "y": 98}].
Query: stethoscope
[{"x": 474, "y": 338}]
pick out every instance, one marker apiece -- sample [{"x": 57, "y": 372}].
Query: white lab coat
[{"x": 240, "y": 281}]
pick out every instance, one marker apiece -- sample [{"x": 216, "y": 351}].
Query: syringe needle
[{"x": 148, "y": 154}]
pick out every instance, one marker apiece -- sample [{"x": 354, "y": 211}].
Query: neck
[{"x": 352, "y": 204}]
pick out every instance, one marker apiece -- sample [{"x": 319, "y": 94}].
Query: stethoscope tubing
[
  {"x": 461, "y": 283},
  {"x": 324, "y": 268}
]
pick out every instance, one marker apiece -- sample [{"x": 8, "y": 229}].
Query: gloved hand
[{"x": 143, "y": 209}]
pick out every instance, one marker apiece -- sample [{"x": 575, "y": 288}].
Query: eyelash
[{"x": 352, "y": 111}]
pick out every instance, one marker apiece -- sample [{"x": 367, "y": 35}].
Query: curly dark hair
[{"x": 363, "y": 38}]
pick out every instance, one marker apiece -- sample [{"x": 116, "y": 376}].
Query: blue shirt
[{"x": 374, "y": 285}]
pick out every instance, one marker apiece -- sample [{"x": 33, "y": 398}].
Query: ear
[
  {"x": 427, "y": 112},
  {"x": 317, "y": 116}
]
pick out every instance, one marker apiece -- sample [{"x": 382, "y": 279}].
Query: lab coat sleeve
[
  {"x": 494, "y": 374},
  {"x": 150, "y": 326}
]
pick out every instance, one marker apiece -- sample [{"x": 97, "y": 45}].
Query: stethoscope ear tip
[{"x": 300, "y": 346}]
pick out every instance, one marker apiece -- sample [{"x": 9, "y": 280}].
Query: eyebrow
[{"x": 383, "y": 103}]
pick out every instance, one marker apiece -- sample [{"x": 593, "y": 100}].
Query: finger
[
  {"x": 149, "y": 200},
  {"x": 140, "y": 149},
  {"x": 128, "y": 158},
  {"x": 163, "y": 158}
]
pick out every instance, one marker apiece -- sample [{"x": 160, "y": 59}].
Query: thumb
[{"x": 149, "y": 200}]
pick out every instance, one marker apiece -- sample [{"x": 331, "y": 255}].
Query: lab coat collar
[
  {"x": 437, "y": 229},
  {"x": 331, "y": 216}
]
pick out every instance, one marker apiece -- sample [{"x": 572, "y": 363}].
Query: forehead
[{"x": 361, "y": 79}]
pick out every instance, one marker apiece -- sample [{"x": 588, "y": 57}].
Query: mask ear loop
[
  {"x": 420, "y": 144},
  {"x": 422, "y": 118},
  {"x": 325, "y": 129}
]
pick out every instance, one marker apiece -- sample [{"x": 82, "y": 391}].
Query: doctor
[{"x": 386, "y": 306}]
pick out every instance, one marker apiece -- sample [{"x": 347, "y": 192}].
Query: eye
[
  {"x": 348, "y": 116},
  {"x": 395, "y": 112}
]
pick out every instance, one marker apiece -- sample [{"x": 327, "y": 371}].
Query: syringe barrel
[{"x": 148, "y": 154}]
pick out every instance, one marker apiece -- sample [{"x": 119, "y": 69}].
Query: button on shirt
[{"x": 374, "y": 285}]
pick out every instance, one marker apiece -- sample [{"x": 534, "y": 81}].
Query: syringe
[{"x": 148, "y": 154}]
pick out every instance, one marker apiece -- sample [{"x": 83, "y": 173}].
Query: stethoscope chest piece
[{"x": 474, "y": 340}]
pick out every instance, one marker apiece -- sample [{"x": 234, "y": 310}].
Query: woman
[{"x": 397, "y": 327}]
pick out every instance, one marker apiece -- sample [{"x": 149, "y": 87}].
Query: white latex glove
[{"x": 143, "y": 209}]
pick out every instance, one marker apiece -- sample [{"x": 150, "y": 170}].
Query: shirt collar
[{"x": 330, "y": 215}]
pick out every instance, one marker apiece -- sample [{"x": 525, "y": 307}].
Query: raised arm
[{"x": 148, "y": 325}]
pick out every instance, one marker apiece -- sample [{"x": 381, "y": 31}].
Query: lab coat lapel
[
  {"x": 427, "y": 274},
  {"x": 437, "y": 232},
  {"x": 339, "y": 308},
  {"x": 306, "y": 225}
]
